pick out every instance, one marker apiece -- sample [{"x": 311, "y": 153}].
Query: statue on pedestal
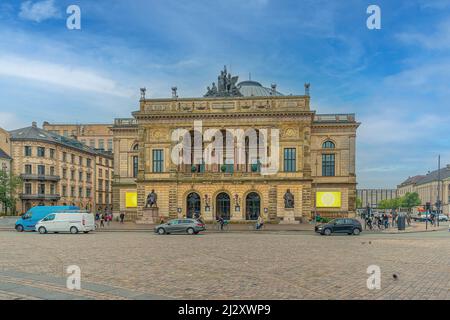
[
  {"x": 288, "y": 200},
  {"x": 151, "y": 200}
]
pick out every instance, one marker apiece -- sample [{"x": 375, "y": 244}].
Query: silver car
[{"x": 189, "y": 226}]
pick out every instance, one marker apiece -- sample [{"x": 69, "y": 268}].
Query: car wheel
[
  {"x": 190, "y": 231},
  {"x": 356, "y": 231},
  {"x": 327, "y": 232},
  {"x": 73, "y": 230},
  {"x": 42, "y": 230},
  {"x": 161, "y": 231},
  {"x": 19, "y": 228}
]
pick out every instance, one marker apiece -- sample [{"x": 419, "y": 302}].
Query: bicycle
[{"x": 226, "y": 226}]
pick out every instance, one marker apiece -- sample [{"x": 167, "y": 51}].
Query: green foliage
[
  {"x": 408, "y": 201},
  {"x": 411, "y": 200},
  {"x": 9, "y": 185},
  {"x": 358, "y": 203}
]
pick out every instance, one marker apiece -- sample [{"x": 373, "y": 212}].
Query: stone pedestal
[
  {"x": 289, "y": 216},
  {"x": 149, "y": 216}
]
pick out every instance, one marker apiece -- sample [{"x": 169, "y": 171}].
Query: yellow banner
[
  {"x": 131, "y": 199},
  {"x": 328, "y": 199}
]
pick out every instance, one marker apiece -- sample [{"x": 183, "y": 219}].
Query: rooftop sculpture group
[{"x": 226, "y": 86}]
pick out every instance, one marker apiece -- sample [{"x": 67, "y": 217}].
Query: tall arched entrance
[
  {"x": 252, "y": 206},
  {"x": 193, "y": 205},
  {"x": 223, "y": 206}
]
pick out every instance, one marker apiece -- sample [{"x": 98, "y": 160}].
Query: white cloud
[
  {"x": 39, "y": 11},
  {"x": 433, "y": 76},
  {"x": 10, "y": 121},
  {"x": 437, "y": 40},
  {"x": 60, "y": 75}
]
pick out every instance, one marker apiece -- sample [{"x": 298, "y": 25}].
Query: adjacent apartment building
[
  {"x": 5, "y": 158},
  {"x": 96, "y": 136},
  {"x": 58, "y": 170},
  {"x": 427, "y": 187}
]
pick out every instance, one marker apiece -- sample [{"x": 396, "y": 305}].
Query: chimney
[{"x": 34, "y": 124}]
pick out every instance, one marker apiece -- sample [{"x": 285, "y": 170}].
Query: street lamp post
[
  {"x": 4, "y": 167},
  {"x": 438, "y": 202}
]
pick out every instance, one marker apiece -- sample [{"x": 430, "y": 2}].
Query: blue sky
[{"x": 396, "y": 80}]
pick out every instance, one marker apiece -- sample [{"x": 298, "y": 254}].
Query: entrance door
[
  {"x": 223, "y": 206},
  {"x": 193, "y": 205},
  {"x": 252, "y": 206}
]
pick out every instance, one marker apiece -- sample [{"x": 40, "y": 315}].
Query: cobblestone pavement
[{"x": 265, "y": 265}]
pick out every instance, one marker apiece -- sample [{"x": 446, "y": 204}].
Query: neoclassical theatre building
[{"x": 313, "y": 156}]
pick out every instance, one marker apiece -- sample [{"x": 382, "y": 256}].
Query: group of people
[
  {"x": 382, "y": 221},
  {"x": 106, "y": 217},
  {"x": 258, "y": 226}
]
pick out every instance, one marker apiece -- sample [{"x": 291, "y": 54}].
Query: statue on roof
[{"x": 226, "y": 86}]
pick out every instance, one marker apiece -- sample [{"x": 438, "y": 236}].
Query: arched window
[
  {"x": 193, "y": 205},
  {"x": 223, "y": 206},
  {"x": 136, "y": 147},
  {"x": 252, "y": 206},
  {"x": 328, "y": 145}
]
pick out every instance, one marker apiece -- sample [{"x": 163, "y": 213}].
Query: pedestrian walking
[
  {"x": 122, "y": 217},
  {"x": 102, "y": 220},
  {"x": 97, "y": 219},
  {"x": 385, "y": 220},
  {"x": 221, "y": 222},
  {"x": 394, "y": 217}
]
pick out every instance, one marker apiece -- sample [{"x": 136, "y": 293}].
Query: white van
[{"x": 72, "y": 222}]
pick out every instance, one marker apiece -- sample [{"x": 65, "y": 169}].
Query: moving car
[
  {"x": 189, "y": 226},
  {"x": 28, "y": 221},
  {"x": 72, "y": 222},
  {"x": 341, "y": 225}
]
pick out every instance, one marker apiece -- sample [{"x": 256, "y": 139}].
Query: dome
[{"x": 255, "y": 89}]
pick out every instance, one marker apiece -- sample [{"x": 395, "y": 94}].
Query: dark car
[
  {"x": 189, "y": 226},
  {"x": 341, "y": 225}
]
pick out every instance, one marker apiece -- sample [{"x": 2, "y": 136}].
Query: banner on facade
[{"x": 328, "y": 199}]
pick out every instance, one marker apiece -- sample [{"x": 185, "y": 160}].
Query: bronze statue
[
  {"x": 151, "y": 199},
  {"x": 288, "y": 200},
  {"x": 226, "y": 86}
]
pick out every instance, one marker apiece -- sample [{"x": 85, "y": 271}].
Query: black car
[{"x": 341, "y": 225}]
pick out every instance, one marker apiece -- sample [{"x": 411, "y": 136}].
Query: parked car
[
  {"x": 443, "y": 218},
  {"x": 72, "y": 222},
  {"x": 189, "y": 226},
  {"x": 341, "y": 225},
  {"x": 28, "y": 221}
]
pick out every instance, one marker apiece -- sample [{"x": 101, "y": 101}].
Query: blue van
[{"x": 29, "y": 220}]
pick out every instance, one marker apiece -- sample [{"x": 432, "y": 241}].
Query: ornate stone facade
[{"x": 316, "y": 154}]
